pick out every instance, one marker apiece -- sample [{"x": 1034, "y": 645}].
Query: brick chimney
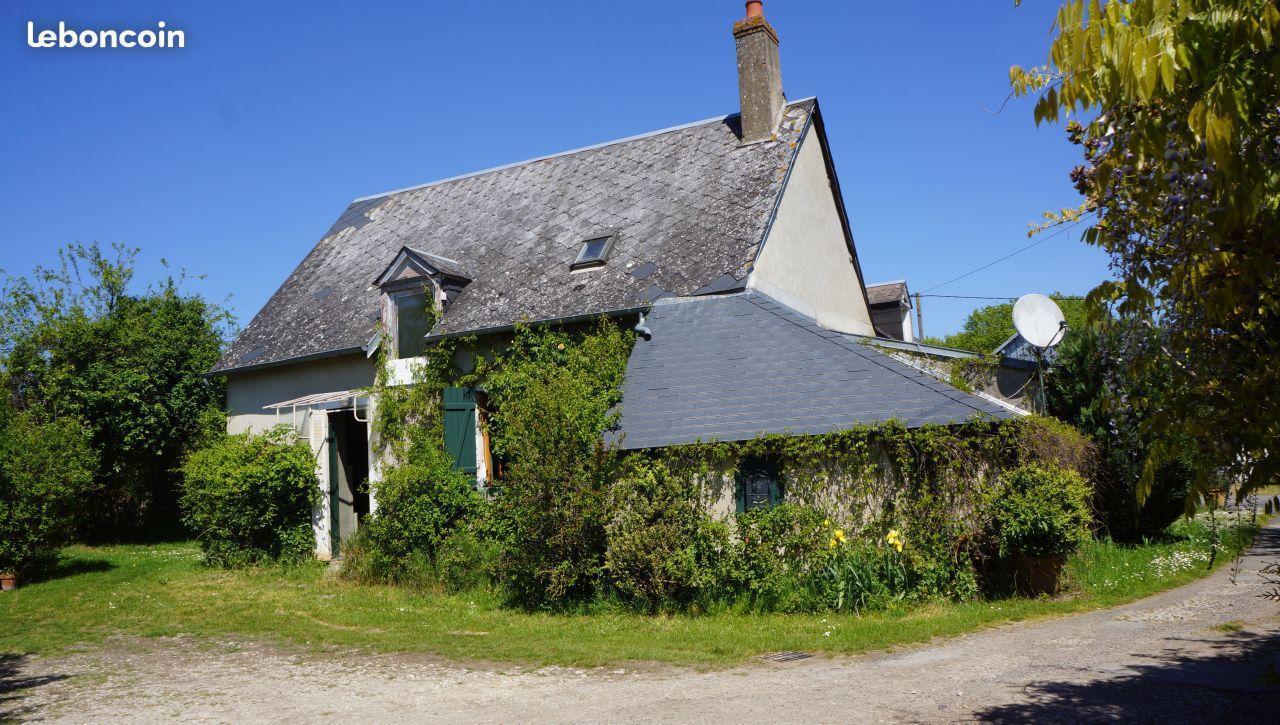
[{"x": 759, "y": 74}]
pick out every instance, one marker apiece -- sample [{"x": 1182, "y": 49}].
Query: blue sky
[{"x": 230, "y": 158}]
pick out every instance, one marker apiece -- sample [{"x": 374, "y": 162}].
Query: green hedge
[
  {"x": 46, "y": 478},
  {"x": 1040, "y": 511},
  {"x": 249, "y": 498}
]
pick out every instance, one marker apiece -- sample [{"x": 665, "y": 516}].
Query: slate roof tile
[
  {"x": 734, "y": 366},
  {"x": 691, "y": 200}
]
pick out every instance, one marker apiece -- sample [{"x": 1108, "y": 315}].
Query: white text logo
[{"x": 65, "y": 37}]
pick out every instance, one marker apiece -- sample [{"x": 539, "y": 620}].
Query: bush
[
  {"x": 46, "y": 476},
  {"x": 249, "y": 498},
  {"x": 553, "y": 396},
  {"x": 420, "y": 506},
  {"x": 664, "y": 549},
  {"x": 1040, "y": 511},
  {"x": 782, "y": 548}
]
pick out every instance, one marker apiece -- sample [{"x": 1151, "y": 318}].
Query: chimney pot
[{"x": 759, "y": 75}]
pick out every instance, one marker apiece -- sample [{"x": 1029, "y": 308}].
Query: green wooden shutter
[{"x": 460, "y": 427}]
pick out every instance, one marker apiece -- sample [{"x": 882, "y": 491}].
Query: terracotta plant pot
[
  {"x": 8, "y": 581},
  {"x": 1034, "y": 575}
]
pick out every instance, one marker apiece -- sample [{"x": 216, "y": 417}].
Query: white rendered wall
[
  {"x": 805, "y": 262},
  {"x": 247, "y": 392}
]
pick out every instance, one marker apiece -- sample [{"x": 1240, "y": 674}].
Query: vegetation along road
[{"x": 1208, "y": 650}]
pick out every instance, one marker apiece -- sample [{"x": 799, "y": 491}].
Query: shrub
[
  {"x": 46, "y": 475},
  {"x": 420, "y": 505},
  {"x": 553, "y": 397},
  {"x": 781, "y": 548},
  {"x": 467, "y": 560},
  {"x": 1040, "y": 511},
  {"x": 249, "y": 498},
  {"x": 664, "y": 548}
]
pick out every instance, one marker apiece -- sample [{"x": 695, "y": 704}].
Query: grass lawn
[{"x": 151, "y": 591}]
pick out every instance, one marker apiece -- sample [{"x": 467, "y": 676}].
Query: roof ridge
[{"x": 570, "y": 152}]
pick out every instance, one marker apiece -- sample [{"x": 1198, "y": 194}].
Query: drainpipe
[{"x": 644, "y": 331}]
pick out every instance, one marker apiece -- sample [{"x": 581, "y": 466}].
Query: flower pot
[
  {"x": 8, "y": 581},
  {"x": 1034, "y": 575}
]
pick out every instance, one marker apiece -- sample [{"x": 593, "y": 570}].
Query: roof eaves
[
  {"x": 620, "y": 312},
  {"x": 216, "y": 372},
  {"x": 922, "y": 348}
]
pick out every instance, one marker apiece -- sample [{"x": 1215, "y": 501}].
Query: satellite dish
[{"x": 1039, "y": 321}]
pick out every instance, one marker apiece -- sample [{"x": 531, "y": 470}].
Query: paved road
[{"x": 1157, "y": 660}]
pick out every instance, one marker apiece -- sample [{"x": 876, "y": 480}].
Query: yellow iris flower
[{"x": 894, "y": 539}]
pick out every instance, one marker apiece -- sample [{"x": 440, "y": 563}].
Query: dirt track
[{"x": 1159, "y": 660}]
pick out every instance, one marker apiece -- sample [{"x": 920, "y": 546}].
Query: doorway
[{"x": 348, "y": 477}]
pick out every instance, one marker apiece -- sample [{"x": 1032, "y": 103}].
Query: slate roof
[
  {"x": 886, "y": 292},
  {"x": 734, "y": 366},
  {"x": 690, "y": 207}
]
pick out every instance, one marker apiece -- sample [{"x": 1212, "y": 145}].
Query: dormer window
[
  {"x": 593, "y": 253},
  {"x": 416, "y": 287}
]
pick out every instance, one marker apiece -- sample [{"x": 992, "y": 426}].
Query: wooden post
[{"x": 919, "y": 318}]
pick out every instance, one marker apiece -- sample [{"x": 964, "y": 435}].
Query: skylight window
[{"x": 593, "y": 253}]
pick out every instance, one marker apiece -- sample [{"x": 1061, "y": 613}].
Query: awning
[
  {"x": 347, "y": 398},
  {"x": 337, "y": 400}
]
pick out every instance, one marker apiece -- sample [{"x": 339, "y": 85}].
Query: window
[
  {"x": 593, "y": 253},
  {"x": 757, "y": 486},
  {"x": 411, "y": 323}
]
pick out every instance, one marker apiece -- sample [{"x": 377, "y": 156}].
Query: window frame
[
  {"x": 427, "y": 291},
  {"x": 580, "y": 262},
  {"x": 772, "y": 472}
]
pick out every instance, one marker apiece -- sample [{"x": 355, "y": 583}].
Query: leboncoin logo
[{"x": 65, "y": 37}]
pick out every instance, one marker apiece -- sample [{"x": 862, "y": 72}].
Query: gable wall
[{"x": 805, "y": 263}]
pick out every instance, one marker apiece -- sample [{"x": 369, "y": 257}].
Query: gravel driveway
[{"x": 1168, "y": 658}]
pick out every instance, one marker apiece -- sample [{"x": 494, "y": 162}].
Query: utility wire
[
  {"x": 1036, "y": 243},
  {"x": 976, "y": 297}
]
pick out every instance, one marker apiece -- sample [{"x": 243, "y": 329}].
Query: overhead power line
[
  {"x": 1034, "y": 244},
  {"x": 1004, "y": 299}
]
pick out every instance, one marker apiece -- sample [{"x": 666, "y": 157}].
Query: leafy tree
[
  {"x": 1181, "y": 107},
  {"x": 75, "y": 342},
  {"x": 986, "y": 328},
  {"x": 1087, "y": 388}
]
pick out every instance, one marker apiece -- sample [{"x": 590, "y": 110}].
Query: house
[
  {"x": 890, "y": 304},
  {"x": 724, "y": 241}
]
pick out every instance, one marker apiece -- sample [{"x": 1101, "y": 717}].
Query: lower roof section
[{"x": 737, "y": 366}]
